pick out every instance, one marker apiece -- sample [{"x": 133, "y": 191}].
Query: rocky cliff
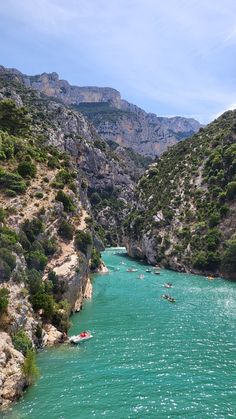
[
  {"x": 184, "y": 213},
  {"x": 114, "y": 118},
  {"x": 110, "y": 170}
]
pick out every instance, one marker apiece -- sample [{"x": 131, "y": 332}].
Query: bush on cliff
[
  {"x": 36, "y": 260},
  {"x": 4, "y": 300},
  {"x": 13, "y": 119},
  {"x": 27, "y": 169},
  {"x": 21, "y": 342},
  {"x": 66, "y": 230},
  {"x": 66, "y": 200},
  {"x": 29, "y": 367},
  {"x": 95, "y": 259},
  {"x": 8, "y": 257},
  {"x": 229, "y": 258},
  {"x": 83, "y": 239}
]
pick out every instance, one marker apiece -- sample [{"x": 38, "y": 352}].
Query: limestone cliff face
[
  {"x": 114, "y": 118},
  {"x": 144, "y": 133},
  {"x": 109, "y": 170}
]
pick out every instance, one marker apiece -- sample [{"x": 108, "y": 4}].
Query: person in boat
[{"x": 83, "y": 334}]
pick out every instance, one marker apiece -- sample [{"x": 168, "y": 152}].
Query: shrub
[
  {"x": 66, "y": 230},
  {"x": 60, "y": 317},
  {"x": 39, "y": 195},
  {"x": 8, "y": 237},
  {"x": 95, "y": 259},
  {"x": 27, "y": 169},
  {"x": 95, "y": 198},
  {"x": 53, "y": 163},
  {"x": 66, "y": 200},
  {"x": 59, "y": 287},
  {"x": 10, "y": 193},
  {"x": 2, "y": 214},
  {"x": 25, "y": 243},
  {"x": 44, "y": 302},
  {"x": 21, "y": 342},
  {"x": 200, "y": 260},
  {"x": 50, "y": 246},
  {"x": 5, "y": 271},
  {"x": 84, "y": 184},
  {"x": 36, "y": 260},
  {"x": 13, "y": 119},
  {"x": 231, "y": 190},
  {"x": 229, "y": 257},
  {"x": 8, "y": 257},
  {"x": 4, "y": 300},
  {"x": 34, "y": 281},
  {"x": 214, "y": 219},
  {"x": 32, "y": 228},
  {"x": 29, "y": 367},
  {"x": 12, "y": 181},
  {"x": 83, "y": 239}
]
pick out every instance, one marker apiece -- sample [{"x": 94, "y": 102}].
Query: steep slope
[
  {"x": 132, "y": 127},
  {"x": 184, "y": 214},
  {"x": 114, "y": 118},
  {"x": 109, "y": 170},
  {"x": 45, "y": 247}
]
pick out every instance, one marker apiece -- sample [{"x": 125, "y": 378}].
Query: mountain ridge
[{"x": 121, "y": 121}]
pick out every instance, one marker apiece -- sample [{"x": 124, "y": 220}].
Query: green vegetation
[
  {"x": 4, "y": 300},
  {"x": 27, "y": 169},
  {"x": 66, "y": 200},
  {"x": 66, "y": 230},
  {"x": 188, "y": 194},
  {"x": 29, "y": 367},
  {"x": 14, "y": 120},
  {"x": 21, "y": 341},
  {"x": 83, "y": 240},
  {"x": 95, "y": 259},
  {"x": 229, "y": 257}
]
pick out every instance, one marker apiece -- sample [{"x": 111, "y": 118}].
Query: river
[{"x": 149, "y": 358}]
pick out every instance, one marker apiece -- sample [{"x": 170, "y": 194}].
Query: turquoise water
[{"x": 149, "y": 358}]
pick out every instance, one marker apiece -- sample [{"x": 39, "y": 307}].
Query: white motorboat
[
  {"x": 81, "y": 338},
  {"x": 131, "y": 270}
]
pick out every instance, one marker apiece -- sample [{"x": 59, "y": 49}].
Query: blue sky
[{"x": 172, "y": 57}]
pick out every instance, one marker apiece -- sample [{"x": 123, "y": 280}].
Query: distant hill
[{"x": 114, "y": 118}]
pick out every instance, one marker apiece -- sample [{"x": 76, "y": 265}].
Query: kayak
[{"x": 79, "y": 338}]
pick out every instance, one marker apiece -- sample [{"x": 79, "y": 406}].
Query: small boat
[
  {"x": 171, "y": 299},
  {"x": 148, "y": 270},
  {"x": 141, "y": 276},
  {"x": 210, "y": 278},
  {"x": 167, "y": 285},
  {"x": 82, "y": 337},
  {"x": 168, "y": 298},
  {"x": 157, "y": 272},
  {"x": 131, "y": 270}
]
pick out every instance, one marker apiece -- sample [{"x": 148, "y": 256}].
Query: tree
[
  {"x": 83, "y": 239},
  {"x": 27, "y": 169},
  {"x": 4, "y": 299},
  {"x": 229, "y": 258},
  {"x": 21, "y": 342},
  {"x": 66, "y": 200},
  {"x": 14, "y": 120},
  {"x": 66, "y": 230},
  {"x": 29, "y": 367}
]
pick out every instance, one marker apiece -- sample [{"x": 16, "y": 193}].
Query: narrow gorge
[{"x": 81, "y": 170}]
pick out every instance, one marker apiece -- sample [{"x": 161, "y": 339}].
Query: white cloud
[{"x": 175, "y": 53}]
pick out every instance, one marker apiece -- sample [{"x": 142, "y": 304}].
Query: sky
[{"x": 170, "y": 57}]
